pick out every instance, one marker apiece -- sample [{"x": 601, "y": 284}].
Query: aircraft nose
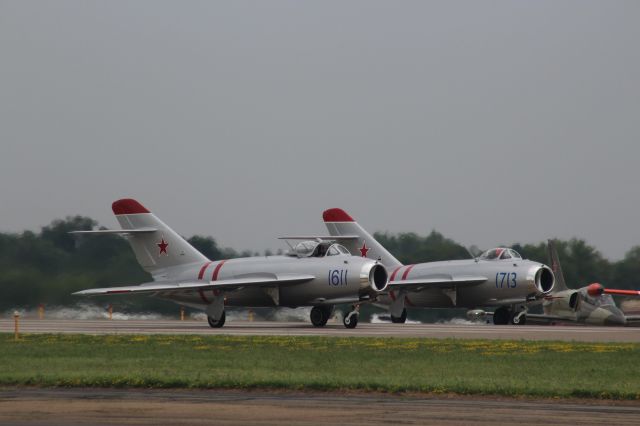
[
  {"x": 374, "y": 276},
  {"x": 543, "y": 278}
]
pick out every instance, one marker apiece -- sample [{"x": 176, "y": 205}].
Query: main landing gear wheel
[
  {"x": 320, "y": 315},
  {"x": 217, "y": 324},
  {"x": 401, "y": 319},
  {"x": 501, "y": 316}
]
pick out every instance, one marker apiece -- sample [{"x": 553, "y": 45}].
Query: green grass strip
[{"x": 493, "y": 367}]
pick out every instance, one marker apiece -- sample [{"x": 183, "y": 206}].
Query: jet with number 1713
[
  {"x": 498, "y": 278},
  {"x": 317, "y": 273}
]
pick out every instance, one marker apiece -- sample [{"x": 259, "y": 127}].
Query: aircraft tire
[
  {"x": 401, "y": 319},
  {"x": 350, "y": 321},
  {"x": 219, "y": 323},
  {"x": 319, "y": 316},
  {"x": 501, "y": 316}
]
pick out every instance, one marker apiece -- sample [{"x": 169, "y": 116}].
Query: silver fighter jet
[
  {"x": 499, "y": 277},
  {"x": 315, "y": 273}
]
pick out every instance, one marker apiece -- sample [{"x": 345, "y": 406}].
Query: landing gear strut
[
  {"x": 217, "y": 324},
  {"x": 320, "y": 315},
  {"x": 351, "y": 319},
  {"x": 519, "y": 318},
  {"x": 401, "y": 319}
]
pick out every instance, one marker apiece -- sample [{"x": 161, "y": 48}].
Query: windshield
[
  {"x": 602, "y": 300},
  {"x": 336, "y": 250}
]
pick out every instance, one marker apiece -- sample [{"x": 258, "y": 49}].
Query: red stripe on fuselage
[
  {"x": 406, "y": 272},
  {"x": 217, "y": 270},
  {"x": 204, "y": 268},
  {"x": 393, "y": 275}
]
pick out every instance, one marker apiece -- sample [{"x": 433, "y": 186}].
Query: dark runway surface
[
  {"x": 145, "y": 407},
  {"x": 470, "y": 331}
]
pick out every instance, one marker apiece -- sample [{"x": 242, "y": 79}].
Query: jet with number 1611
[{"x": 317, "y": 273}]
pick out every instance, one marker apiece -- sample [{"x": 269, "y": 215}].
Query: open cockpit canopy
[
  {"x": 500, "y": 253},
  {"x": 319, "y": 249}
]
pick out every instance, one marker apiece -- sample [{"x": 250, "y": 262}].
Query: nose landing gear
[{"x": 351, "y": 319}]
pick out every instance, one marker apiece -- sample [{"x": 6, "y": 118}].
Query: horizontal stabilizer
[
  {"x": 320, "y": 237},
  {"x": 187, "y": 287},
  {"x": 117, "y": 231},
  {"x": 419, "y": 284}
]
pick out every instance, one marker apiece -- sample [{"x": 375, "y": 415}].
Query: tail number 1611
[{"x": 338, "y": 277}]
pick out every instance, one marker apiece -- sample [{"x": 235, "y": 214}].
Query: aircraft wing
[
  {"x": 419, "y": 284},
  {"x": 224, "y": 285},
  {"x": 542, "y": 318}
]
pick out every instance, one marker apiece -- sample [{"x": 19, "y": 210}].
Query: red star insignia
[
  {"x": 163, "y": 247},
  {"x": 364, "y": 249}
]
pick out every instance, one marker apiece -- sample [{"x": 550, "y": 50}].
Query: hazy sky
[{"x": 490, "y": 121}]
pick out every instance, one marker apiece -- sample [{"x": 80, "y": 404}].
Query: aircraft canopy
[
  {"x": 500, "y": 253},
  {"x": 319, "y": 249}
]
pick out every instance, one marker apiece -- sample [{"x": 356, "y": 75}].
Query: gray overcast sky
[{"x": 492, "y": 122}]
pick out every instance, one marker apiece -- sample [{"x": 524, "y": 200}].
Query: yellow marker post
[
  {"x": 110, "y": 311},
  {"x": 181, "y": 313},
  {"x": 41, "y": 311},
  {"x": 16, "y": 329},
  {"x": 251, "y": 315}
]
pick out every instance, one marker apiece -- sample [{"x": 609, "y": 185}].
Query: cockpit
[
  {"x": 319, "y": 249},
  {"x": 500, "y": 253}
]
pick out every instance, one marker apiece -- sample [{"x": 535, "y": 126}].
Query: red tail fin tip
[
  {"x": 336, "y": 215},
  {"x": 128, "y": 206}
]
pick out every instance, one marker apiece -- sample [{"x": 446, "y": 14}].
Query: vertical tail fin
[
  {"x": 339, "y": 223},
  {"x": 159, "y": 247},
  {"x": 554, "y": 262}
]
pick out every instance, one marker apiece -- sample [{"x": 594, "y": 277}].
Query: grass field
[{"x": 510, "y": 368}]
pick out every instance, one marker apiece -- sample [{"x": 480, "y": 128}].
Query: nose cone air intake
[
  {"x": 378, "y": 278},
  {"x": 373, "y": 278},
  {"x": 544, "y": 280}
]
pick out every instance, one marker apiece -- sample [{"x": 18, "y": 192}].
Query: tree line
[{"x": 47, "y": 266}]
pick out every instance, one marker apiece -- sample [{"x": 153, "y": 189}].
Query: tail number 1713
[{"x": 506, "y": 280}]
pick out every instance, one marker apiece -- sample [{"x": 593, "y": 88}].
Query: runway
[
  {"x": 565, "y": 333},
  {"x": 142, "y": 407}
]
